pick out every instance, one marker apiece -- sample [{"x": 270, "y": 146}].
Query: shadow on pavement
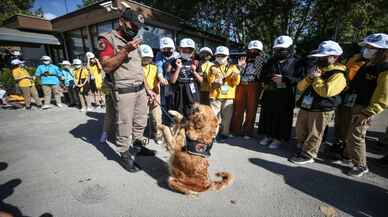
[
  {"x": 90, "y": 131},
  {"x": 350, "y": 196},
  {"x": 6, "y": 190}
]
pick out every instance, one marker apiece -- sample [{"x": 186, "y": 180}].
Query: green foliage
[
  {"x": 307, "y": 21},
  {"x": 9, "y": 8}
]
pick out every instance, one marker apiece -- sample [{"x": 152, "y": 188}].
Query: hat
[
  {"x": 146, "y": 51},
  {"x": 45, "y": 58},
  {"x": 166, "y": 42},
  {"x": 327, "y": 48},
  {"x": 187, "y": 42},
  {"x": 256, "y": 44},
  {"x": 222, "y": 50},
  {"x": 77, "y": 62},
  {"x": 90, "y": 55},
  {"x": 283, "y": 41},
  {"x": 130, "y": 15},
  {"x": 65, "y": 62},
  {"x": 206, "y": 49},
  {"x": 378, "y": 40},
  {"x": 16, "y": 62}
]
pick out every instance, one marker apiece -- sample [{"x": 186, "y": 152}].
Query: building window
[
  {"x": 75, "y": 43},
  {"x": 152, "y": 35}
]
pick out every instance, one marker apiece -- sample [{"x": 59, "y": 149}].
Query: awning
[{"x": 14, "y": 35}]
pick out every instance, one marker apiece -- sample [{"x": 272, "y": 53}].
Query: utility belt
[{"x": 130, "y": 89}]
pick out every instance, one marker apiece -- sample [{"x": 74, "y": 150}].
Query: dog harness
[{"x": 198, "y": 148}]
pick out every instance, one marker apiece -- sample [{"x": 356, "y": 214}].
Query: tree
[{"x": 9, "y": 8}]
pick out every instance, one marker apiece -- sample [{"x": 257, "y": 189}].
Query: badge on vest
[
  {"x": 307, "y": 102},
  {"x": 225, "y": 89},
  {"x": 192, "y": 88}
]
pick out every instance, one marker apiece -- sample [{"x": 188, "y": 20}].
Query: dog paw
[{"x": 193, "y": 195}]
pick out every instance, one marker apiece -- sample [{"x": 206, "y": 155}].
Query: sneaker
[
  {"x": 275, "y": 144},
  {"x": 104, "y": 137},
  {"x": 265, "y": 141},
  {"x": 358, "y": 171},
  {"x": 142, "y": 150},
  {"x": 247, "y": 137},
  {"x": 301, "y": 159},
  {"x": 59, "y": 105},
  {"x": 46, "y": 107},
  {"x": 230, "y": 136}
]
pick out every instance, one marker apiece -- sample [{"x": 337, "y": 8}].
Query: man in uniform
[{"x": 122, "y": 63}]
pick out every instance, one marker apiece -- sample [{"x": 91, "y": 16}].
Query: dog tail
[{"x": 227, "y": 179}]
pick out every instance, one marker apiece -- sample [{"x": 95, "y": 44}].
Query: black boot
[
  {"x": 128, "y": 162},
  {"x": 142, "y": 150}
]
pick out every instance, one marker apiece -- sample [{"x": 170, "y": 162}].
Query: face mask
[
  {"x": 186, "y": 56},
  {"x": 368, "y": 53},
  {"x": 129, "y": 33},
  {"x": 281, "y": 54},
  {"x": 92, "y": 62},
  {"x": 222, "y": 60},
  {"x": 167, "y": 53},
  {"x": 46, "y": 62}
]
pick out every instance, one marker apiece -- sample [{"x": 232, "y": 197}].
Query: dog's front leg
[{"x": 168, "y": 137}]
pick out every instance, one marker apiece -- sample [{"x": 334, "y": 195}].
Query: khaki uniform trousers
[
  {"x": 131, "y": 118},
  {"x": 223, "y": 108},
  {"x": 29, "y": 92},
  {"x": 310, "y": 127}
]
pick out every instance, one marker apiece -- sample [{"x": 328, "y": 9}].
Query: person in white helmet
[
  {"x": 205, "y": 56},
  {"x": 70, "y": 93},
  {"x": 248, "y": 91},
  {"x": 152, "y": 84},
  {"x": 25, "y": 82},
  {"x": 223, "y": 79},
  {"x": 280, "y": 76},
  {"x": 164, "y": 57},
  {"x": 185, "y": 78},
  {"x": 49, "y": 75},
  {"x": 320, "y": 97},
  {"x": 369, "y": 89},
  {"x": 82, "y": 85},
  {"x": 96, "y": 77}
]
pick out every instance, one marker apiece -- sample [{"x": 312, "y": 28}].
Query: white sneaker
[
  {"x": 265, "y": 141},
  {"x": 275, "y": 144},
  {"x": 59, "y": 105},
  {"x": 46, "y": 107},
  {"x": 104, "y": 137},
  {"x": 247, "y": 137}
]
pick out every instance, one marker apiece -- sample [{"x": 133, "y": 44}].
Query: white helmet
[
  {"x": 77, "y": 62},
  {"x": 283, "y": 41},
  {"x": 65, "y": 62},
  {"x": 378, "y": 40},
  {"x": 222, "y": 50},
  {"x": 146, "y": 51},
  {"x": 90, "y": 55},
  {"x": 166, "y": 42},
  {"x": 206, "y": 49},
  {"x": 327, "y": 48},
  {"x": 45, "y": 58},
  {"x": 16, "y": 62},
  {"x": 187, "y": 42},
  {"x": 256, "y": 44}
]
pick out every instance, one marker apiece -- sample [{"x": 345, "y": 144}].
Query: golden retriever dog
[{"x": 188, "y": 169}]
